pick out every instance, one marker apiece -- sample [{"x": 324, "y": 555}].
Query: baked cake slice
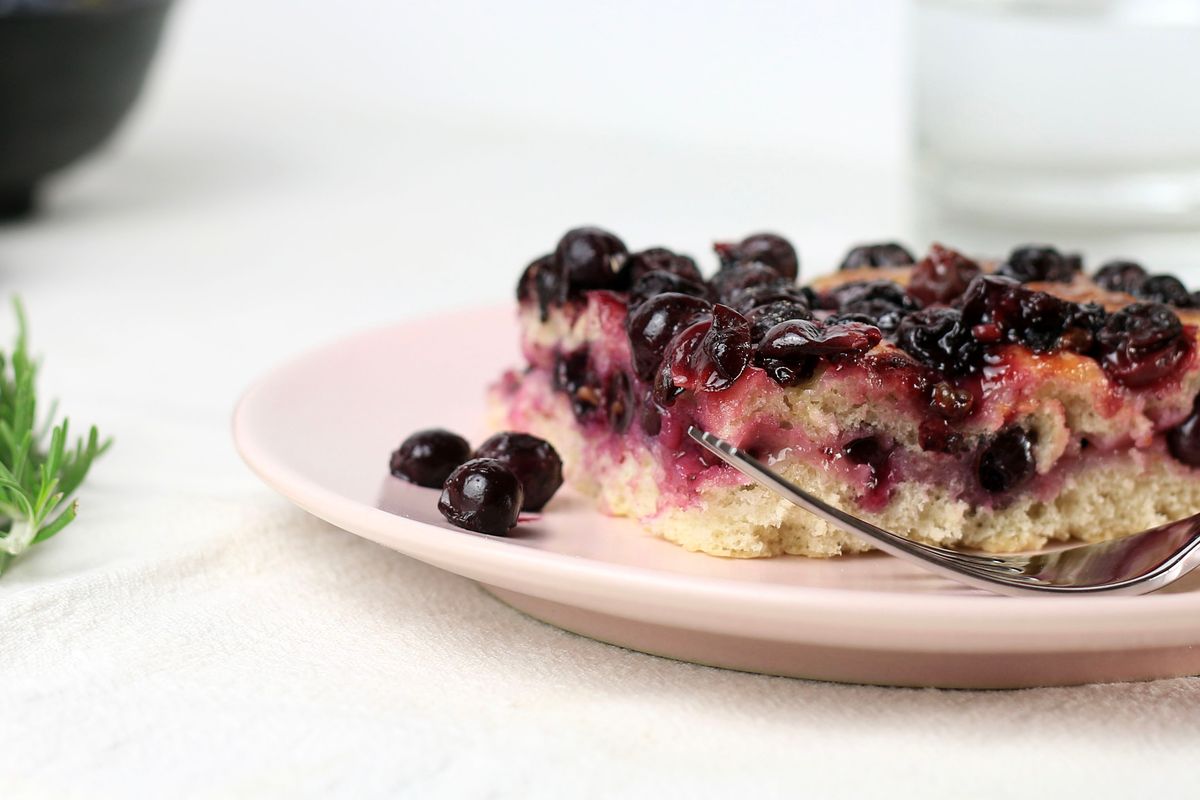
[{"x": 960, "y": 403}]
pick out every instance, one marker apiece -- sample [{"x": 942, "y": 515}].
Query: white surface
[{"x": 192, "y": 634}]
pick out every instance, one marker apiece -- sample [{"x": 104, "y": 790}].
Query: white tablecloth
[{"x": 194, "y": 635}]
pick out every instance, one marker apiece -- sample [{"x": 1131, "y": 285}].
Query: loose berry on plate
[
  {"x": 1007, "y": 461},
  {"x": 761, "y": 248},
  {"x": 654, "y": 323},
  {"x": 1121, "y": 276},
  {"x": 482, "y": 495},
  {"x": 588, "y": 258},
  {"x": 534, "y": 461},
  {"x": 427, "y": 457},
  {"x": 884, "y": 254},
  {"x": 942, "y": 276}
]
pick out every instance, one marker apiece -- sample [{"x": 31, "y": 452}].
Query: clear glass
[{"x": 1077, "y": 114}]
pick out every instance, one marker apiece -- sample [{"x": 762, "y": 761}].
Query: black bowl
[{"x": 69, "y": 72}]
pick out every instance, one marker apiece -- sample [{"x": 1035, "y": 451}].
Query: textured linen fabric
[{"x": 194, "y": 635}]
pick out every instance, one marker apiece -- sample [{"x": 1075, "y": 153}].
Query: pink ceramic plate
[{"x": 319, "y": 430}]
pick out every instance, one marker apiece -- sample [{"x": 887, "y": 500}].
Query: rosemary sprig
[{"x": 37, "y": 478}]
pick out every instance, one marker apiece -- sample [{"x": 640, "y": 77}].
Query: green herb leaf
[{"x": 36, "y": 479}]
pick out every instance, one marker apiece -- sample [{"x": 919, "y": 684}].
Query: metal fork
[{"x": 1134, "y": 564}]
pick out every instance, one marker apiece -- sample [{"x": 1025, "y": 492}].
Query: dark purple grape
[
  {"x": 588, "y": 258},
  {"x": 1008, "y": 461},
  {"x": 428, "y": 456},
  {"x": 1165, "y": 289},
  {"x": 1184, "y": 439},
  {"x": 653, "y": 325},
  {"x": 762, "y": 248},
  {"x": 884, "y": 254},
  {"x": 729, "y": 282},
  {"x": 1037, "y": 263},
  {"x": 763, "y": 318},
  {"x": 658, "y": 282},
  {"x": 534, "y": 461},
  {"x": 790, "y": 351},
  {"x": 942, "y": 276},
  {"x": 938, "y": 338},
  {"x": 1121, "y": 276},
  {"x": 482, "y": 495},
  {"x": 658, "y": 259},
  {"x": 1142, "y": 344}
]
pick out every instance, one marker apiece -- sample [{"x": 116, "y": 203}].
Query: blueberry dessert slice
[{"x": 957, "y": 399}]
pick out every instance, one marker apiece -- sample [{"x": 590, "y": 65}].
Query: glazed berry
[
  {"x": 482, "y": 495},
  {"x": 763, "y": 318},
  {"x": 1184, "y": 439},
  {"x": 1000, "y": 310},
  {"x": 938, "y": 338},
  {"x": 885, "y": 254},
  {"x": 950, "y": 402},
  {"x": 1141, "y": 344},
  {"x": 707, "y": 356},
  {"x": 658, "y": 282},
  {"x": 942, "y": 276},
  {"x": 1165, "y": 289},
  {"x": 534, "y": 461},
  {"x": 1121, "y": 276},
  {"x": 880, "y": 303},
  {"x": 790, "y": 351},
  {"x": 653, "y": 325},
  {"x": 746, "y": 300},
  {"x": 1037, "y": 263},
  {"x": 728, "y": 282},
  {"x": 588, "y": 258},
  {"x": 428, "y": 456},
  {"x": 761, "y": 248},
  {"x": 1008, "y": 461},
  {"x": 658, "y": 259}
]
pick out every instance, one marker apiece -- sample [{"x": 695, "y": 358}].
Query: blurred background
[{"x": 393, "y": 158}]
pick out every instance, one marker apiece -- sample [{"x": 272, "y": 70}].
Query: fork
[{"x": 1134, "y": 564}]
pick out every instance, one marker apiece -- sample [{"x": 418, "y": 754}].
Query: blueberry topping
[
  {"x": 1141, "y": 344},
  {"x": 1184, "y": 439},
  {"x": 938, "y": 337},
  {"x": 1007, "y": 461},
  {"x": 746, "y": 300},
  {"x": 885, "y": 254},
  {"x": 658, "y": 259},
  {"x": 658, "y": 282},
  {"x": 708, "y": 356},
  {"x": 1121, "y": 276},
  {"x": 880, "y": 303},
  {"x": 588, "y": 258},
  {"x": 942, "y": 276},
  {"x": 427, "y": 457},
  {"x": 728, "y": 282},
  {"x": 534, "y": 461},
  {"x": 950, "y": 402},
  {"x": 1038, "y": 263},
  {"x": 999, "y": 310},
  {"x": 1165, "y": 289},
  {"x": 790, "y": 351},
  {"x": 653, "y": 325},
  {"x": 527, "y": 286},
  {"x": 762, "y": 248},
  {"x": 763, "y": 318},
  {"x": 482, "y": 495}
]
